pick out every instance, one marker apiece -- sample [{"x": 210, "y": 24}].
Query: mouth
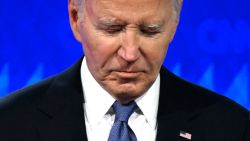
[{"x": 128, "y": 74}]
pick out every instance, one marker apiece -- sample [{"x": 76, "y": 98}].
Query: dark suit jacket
[{"x": 53, "y": 111}]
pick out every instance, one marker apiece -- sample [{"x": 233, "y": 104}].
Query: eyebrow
[
  {"x": 109, "y": 22},
  {"x": 157, "y": 25}
]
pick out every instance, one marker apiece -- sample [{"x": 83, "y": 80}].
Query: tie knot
[{"x": 123, "y": 111}]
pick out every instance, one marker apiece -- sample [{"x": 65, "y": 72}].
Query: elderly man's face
[{"x": 125, "y": 42}]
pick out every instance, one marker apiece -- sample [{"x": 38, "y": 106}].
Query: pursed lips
[{"x": 128, "y": 74}]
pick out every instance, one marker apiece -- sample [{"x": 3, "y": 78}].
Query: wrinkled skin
[{"x": 124, "y": 41}]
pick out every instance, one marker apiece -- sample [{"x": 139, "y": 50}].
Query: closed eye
[
  {"x": 150, "y": 31},
  {"x": 113, "y": 29},
  {"x": 110, "y": 26}
]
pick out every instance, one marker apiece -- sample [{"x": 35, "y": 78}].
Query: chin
[
  {"x": 126, "y": 93},
  {"x": 126, "y": 90},
  {"x": 125, "y": 97}
]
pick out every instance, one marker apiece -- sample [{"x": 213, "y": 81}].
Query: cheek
[
  {"x": 102, "y": 48},
  {"x": 155, "y": 51},
  {"x": 99, "y": 53},
  {"x": 99, "y": 49}
]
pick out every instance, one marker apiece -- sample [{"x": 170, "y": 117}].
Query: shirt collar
[
  {"x": 148, "y": 103},
  {"x": 98, "y": 101}
]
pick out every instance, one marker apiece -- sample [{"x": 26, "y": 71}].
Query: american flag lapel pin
[{"x": 185, "y": 135}]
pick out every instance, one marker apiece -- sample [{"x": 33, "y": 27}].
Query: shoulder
[
  {"x": 18, "y": 111},
  {"x": 22, "y": 110},
  {"x": 190, "y": 97},
  {"x": 33, "y": 94},
  {"x": 23, "y": 100},
  {"x": 208, "y": 113}
]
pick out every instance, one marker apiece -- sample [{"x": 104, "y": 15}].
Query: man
[{"x": 125, "y": 42}]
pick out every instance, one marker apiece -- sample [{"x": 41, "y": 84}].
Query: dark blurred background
[{"x": 211, "y": 47}]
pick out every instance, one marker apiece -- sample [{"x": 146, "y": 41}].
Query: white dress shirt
[{"x": 99, "y": 115}]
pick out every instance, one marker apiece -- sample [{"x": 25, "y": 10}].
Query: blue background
[{"x": 211, "y": 47}]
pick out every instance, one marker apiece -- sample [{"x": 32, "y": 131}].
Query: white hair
[
  {"x": 80, "y": 6},
  {"x": 177, "y": 8}
]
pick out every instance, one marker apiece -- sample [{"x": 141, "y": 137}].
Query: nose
[{"x": 130, "y": 48}]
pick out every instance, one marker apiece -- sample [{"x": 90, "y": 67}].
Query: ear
[{"x": 74, "y": 20}]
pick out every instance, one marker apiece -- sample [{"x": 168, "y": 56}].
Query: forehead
[{"x": 130, "y": 10}]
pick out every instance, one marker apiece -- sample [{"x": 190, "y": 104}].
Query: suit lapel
[
  {"x": 169, "y": 127},
  {"x": 172, "y": 117},
  {"x": 61, "y": 115}
]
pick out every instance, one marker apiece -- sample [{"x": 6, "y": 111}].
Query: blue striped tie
[{"x": 120, "y": 130}]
